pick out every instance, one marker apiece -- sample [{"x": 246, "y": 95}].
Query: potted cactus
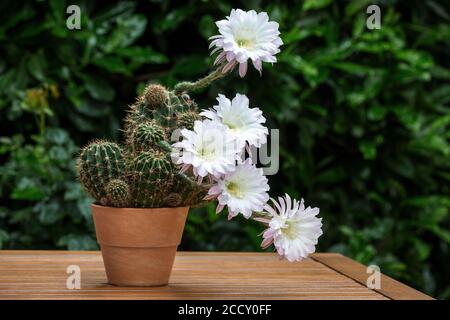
[
  {"x": 176, "y": 156},
  {"x": 142, "y": 198}
]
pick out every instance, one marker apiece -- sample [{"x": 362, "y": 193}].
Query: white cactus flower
[
  {"x": 245, "y": 123},
  {"x": 293, "y": 230},
  {"x": 246, "y": 35}
]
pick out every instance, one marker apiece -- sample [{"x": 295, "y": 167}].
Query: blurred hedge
[{"x": 363, "y": 117}]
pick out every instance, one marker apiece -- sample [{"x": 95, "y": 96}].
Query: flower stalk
[{"x": 196, "y": 86}]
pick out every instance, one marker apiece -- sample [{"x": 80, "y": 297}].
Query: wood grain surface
[
  {"x": 390, "y": 288},
  {"x": 196, "y": 275}
]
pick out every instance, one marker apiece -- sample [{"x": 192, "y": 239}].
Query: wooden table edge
[{"x": 390, "y": 287}]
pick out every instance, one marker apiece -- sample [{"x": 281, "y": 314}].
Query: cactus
[
  {"x": 118, "y": 193},
  {"x": 141, "y": 174},
  {"x": 151, "y": 176},
  {"x": 155, "y": 96},
  {"x": 99, "y": 163},
  {"x": 146, "y": 136},
  {"x": 187, "y": 119}
]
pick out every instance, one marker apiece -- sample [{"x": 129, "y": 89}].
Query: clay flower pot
[{"x": 138, "y": 245}]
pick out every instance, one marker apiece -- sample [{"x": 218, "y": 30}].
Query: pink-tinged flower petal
[
  {"x": 262, "y": 220},
  {"x": 219, "y": 208},
  {"x": 269, "y": 233},
  {"x": 242, "y": 69},
  {"x": 220, "y": 58},
  {"x": 229, "y": 66},
  {"x": 215, "y": 190},
  {"x": 230, "y": 56},
  {"x": 266, "y": 243},
  {"x": 258, "y": 65},
  {"x": 210, "y": 197}
]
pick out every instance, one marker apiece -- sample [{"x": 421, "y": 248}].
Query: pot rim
[{"x": 137, "y": 209}]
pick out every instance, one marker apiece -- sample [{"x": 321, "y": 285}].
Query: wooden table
[{"x": 198, "y": 275}]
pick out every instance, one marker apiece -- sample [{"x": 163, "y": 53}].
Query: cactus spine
[{"x": 141, "y": 174}]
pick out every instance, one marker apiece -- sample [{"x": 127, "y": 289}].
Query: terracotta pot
[{"x": 139, "y": 245}]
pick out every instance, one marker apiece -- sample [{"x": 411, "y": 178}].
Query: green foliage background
[{"x": 363, "y": 116}]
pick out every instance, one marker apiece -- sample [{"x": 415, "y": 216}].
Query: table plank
[
  {"x": 195, "y": 275},
  {"x": 389, "y": 287}
]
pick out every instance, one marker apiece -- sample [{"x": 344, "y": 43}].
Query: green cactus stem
[
  {"x": 146, "y": 136},
  {"x": 100, "y": 162},
  {"x": 186, "y": 119},
  {"x": 118, "y": 193},
  {"x": 155, "y": 96},
  {"x": 152, "y": 177}
]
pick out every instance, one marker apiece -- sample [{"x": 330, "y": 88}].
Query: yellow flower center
[
  {"x": 207, "y": 153},
  {"x": 245, "y": 38},
  {"x": 234, "y": 190},
  {"x": 244, "y": 43},
  {"x": 291, "y": 231},
  {"x": 234, "y": 124},
  {"x": 207, "y": 149}
]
